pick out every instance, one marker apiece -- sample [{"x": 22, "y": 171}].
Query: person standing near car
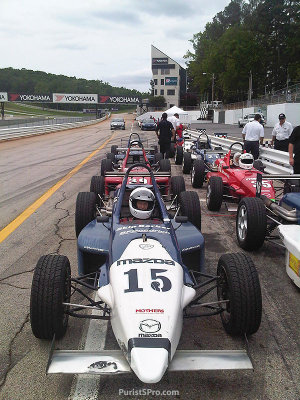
[
  {"x": 253, "y": 134},
  {"x": 165, "y": 133},
  {"x": 294, "y": 148},
  {"x": 281, "y": 133}
]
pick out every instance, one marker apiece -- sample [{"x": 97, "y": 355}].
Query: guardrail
[
  {"x": 14, "y": 133},
  {"x": 275, "y": 161}
]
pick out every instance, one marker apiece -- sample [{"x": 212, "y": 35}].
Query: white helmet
[
  {"x": 143, "y": 194},
  {"x": 246, "y": 161},
  {"x": 236, "y": 159}
]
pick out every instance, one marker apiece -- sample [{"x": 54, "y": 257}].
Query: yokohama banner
[
  {"x": 118, "y": 100},
  {"x": 75, "y": 98},
  {"x": 3, "y": 96},
  {"x": 37, "y": 98}
]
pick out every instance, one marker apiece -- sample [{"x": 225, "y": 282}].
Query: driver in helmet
[
  {"x": 141, "y": 203},
  {"x": 236, "y": 158},
  {"x": 246, "y": 161}
]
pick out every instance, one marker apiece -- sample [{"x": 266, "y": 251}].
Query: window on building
[
  {"x": 155, "y": 71},
  {"x": 165, "y": 72},
  {"x": 162, "y": 81},
  {"x": 162, "y": 92},
  {"x": 155, "y": 92},
  {"x": 155, "y": 81},
  {"x": 171, "y": 92}
]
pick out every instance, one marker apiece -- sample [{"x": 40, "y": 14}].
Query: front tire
[
  {"x": 214, "y": 195},
  {"x": 190, "y": 207},
  {"x": 165, "y": 165},
  {"x": 187, "y": 163},
  {"x": 239, "y": 283},
  {"x": 198, "y": 173},
  {"x": 106, "y": 165},
  {"x": 251, "y": 223},
  {"x": 172, "y": 150},
  {"x": 85, "y": 210},
  {"x": 178, "y": 155},
  {"x": 97, "y": 186},
  {"x": 51, "y": 287},
  {"x": 177, "y": 185}
]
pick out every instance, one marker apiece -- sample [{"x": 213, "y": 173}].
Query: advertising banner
[
  {"x": 118, "y": 100},
  {"x": 171, "y": 81},
  {"x": 37, "y": 98},
  {"x": 75, "y": 98},
  {"x": 3, "y": 96},
  {"x": 160, "y": 60}
]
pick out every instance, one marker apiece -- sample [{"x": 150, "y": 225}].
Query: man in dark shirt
[
  {"x": 294, "y": 147},
  {"x": 165, "y": 133}
]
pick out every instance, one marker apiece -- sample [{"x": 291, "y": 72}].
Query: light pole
[{"x": 212, "y": 84}]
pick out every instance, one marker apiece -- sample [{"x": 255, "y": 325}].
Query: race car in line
[{"x": 147, "y": 274}]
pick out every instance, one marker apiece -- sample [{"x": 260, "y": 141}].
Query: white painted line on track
[{"x": 85, "y": 387}]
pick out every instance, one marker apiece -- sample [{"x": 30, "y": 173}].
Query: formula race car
[
  {"x": 141, "y": 271},
  {"x": 235, "y": 179}
]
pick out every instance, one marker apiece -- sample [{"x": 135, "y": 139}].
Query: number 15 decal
[{"x": 160, "y": 283}]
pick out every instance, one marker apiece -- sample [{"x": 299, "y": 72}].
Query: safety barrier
[
  {"x": 275, "y": 161},
  {"x": 14, "y": 133}
]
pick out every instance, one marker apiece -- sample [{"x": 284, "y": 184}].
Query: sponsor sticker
[
  {"x": 149, "y": 311},
  {"x": 38, "y": 98},
  {"x": 294, "y": 263},
  {"x": 145, "y": 246},
  {"x": 150, "y": 326},
  {"x": 75, "y": 98}
]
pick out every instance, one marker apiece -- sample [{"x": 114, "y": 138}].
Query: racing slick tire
[
  {"x": 97, "y": 186},
  {"x": 187, "y": 163},
  {"x": 251, "y": 223},
  {"x": 257, "y": 164},
  {"x": 190, "y": 207},
  {"x": 239, "y": 283},
  {"x": 113, "y": 149},
  {"x": 214, "y": 195},
  {"x": 178, "y": 155},
  {"x": 51, "y": 287},
  {"x": 165, "y": 165},
  {"x": 85, "y": 210},
  {"x": 158, "y": 157},
  {"x": 177, "y": 185},
  {"x": 106, "y": 165},
  {"x": 110, "y": 156},
  {"x": 172, "y": 150},
  {"x": 198, "y": 173}
]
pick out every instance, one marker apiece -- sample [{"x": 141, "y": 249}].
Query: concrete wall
[
  {"x": 216, "y": 117},
  {"x": 291, "y": 111}
]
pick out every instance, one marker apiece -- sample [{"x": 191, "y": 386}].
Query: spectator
[
  {"x": 174, "y": 119},
  {"x": 294, "y": 148},
  {"x": 253, "y": 133},
  {"x": 165, "y": 133},
  {"x": 281, "y": 133}
]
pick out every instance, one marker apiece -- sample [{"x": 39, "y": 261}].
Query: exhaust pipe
[{"x": 288, "y": 215}]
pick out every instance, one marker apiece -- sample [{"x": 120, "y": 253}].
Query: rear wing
[
  {"x": 139, "y": 173},
  {"x": 278, "y": 177}
]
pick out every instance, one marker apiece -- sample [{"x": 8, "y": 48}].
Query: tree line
[{"x": 256, "y": 37}]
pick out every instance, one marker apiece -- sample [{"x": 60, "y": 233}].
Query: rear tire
[
  {"x": 214, "y": 195},
  {"x": 110, "y": 156},
  {"x": 177, "y": 185},
  {"x": 165, "y": 165},
  {"x": 187, "y": 163},
  {"x": 172, "y": 150},
  {"x": 51, "y": 286},
  {"x": 239, "y": 283},
  {"x": 97, "y": 186},
  {"x": 85, "y": 210},
  {"x": 198, "y": 173},
  {"x": 178, "y": 155},
  {"x": 190, "y": 207},
  {"x": 113, "y": 149},
  {"x": 106, "y": 165},
  {"x": 158, "y": 157},
  {"x": 251, "y": 223}
]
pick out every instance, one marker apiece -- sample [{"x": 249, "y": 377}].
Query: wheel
[
  {"x": 190, "y": 207},
  {"x": 158, "y": 157},
  {"x": 251, "y": 223},
  {"x": 106, "y": 165},
  {"x": 155, "y": 148},
  {"x": 257, "y": 164},
  {"x": 165, "y": 165},
  {"x": 198, "y": 173},
  {"x": 51, "y": 287},
  {"x": 214, "y": 194},
  {"x": 85, "y": 210},
  {"x": 177, "y": 185},
  {"x": 110, "y": 156},
  {"x": 178, "y": 155},
  {"x": 172, "y": 150},
  {"x": 97, "y": 186},
  {"x": 187, "y": 163},
  {"x": 113, "y": 149},
  {"x": 238, "y": 282}
]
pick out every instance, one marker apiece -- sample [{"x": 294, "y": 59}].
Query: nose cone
[{"x": 148, "y": 364}]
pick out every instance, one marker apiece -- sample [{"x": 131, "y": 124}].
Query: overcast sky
[{"x": 109, "y": 40}]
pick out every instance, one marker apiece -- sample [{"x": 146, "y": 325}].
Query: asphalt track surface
[{"x": 29, "y": 168}]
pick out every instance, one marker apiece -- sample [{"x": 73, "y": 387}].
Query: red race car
[{"x": 235, "y": 179}]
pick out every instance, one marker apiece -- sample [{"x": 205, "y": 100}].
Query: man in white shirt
[
  {"x": 253, "y": 133},
  {"x": 174, "y": 119},
  {"x": 281, "y": 133}
]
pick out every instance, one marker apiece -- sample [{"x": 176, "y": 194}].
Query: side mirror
[
  {"x": 102, "y": 218},
  {"x": 181, "y": 219}
]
